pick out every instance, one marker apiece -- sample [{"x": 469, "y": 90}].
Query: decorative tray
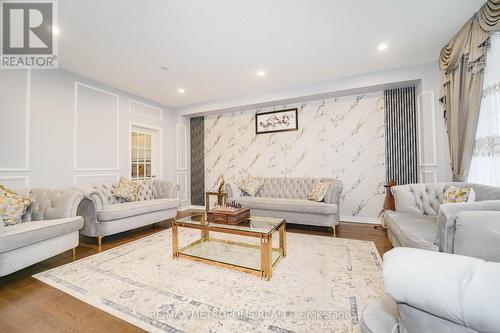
[{"x": 228, "y": 215}]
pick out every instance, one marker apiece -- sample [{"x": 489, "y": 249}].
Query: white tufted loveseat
[
  {"x": 50, "y": 226},
  {"x": 420, "y": 220},
  {"x": 106, "y": 214},
  {"x": 286, "y": 197}
]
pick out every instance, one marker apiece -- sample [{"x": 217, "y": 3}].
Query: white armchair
[{"x": 435, "y": 292}]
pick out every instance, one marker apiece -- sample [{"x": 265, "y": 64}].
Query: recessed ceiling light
[
  {"x": 261, "y": 73},
  {"x": 55, "y": 30},
  {"x": 383, "y": 46},
  {"x": 181, "y": 91}
]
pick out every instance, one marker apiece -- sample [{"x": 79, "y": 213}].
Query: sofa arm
[
  {"x": 53, "y": 204},
  {"x": 477, "y": 234},
  {"x": 447, "y": 216},
  {"x": 98, "y": 198},
  {"x": 332, "y": 195},
  {"x": 232, "y": 190},
  {"x": 460, "y": 289}
]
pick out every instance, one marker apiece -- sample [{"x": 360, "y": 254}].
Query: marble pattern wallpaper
[{"x": 340, "y": 137}]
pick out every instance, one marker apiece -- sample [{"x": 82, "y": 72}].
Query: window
[
  {"x": 485, "y": 164},
  {"x": 143, "y": 153}
]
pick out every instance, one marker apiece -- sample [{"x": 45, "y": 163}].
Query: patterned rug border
[{"x": 128, "y": 318}]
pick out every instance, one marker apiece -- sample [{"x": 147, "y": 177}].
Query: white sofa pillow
[
  {"x": 251, "y": 185},
  {"x": 455, "y": 194},
  {"x": 318, "y": 192}
]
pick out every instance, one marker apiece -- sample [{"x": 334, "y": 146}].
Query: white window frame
[{"x": 156, "y": 145}]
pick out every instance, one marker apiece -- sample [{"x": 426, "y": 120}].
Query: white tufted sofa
[
  {"x": 286, "y": 197},
  {"x": 420, "y": 220},
  {"x": 50, "y": 226},
  {"x": 435, "y": 292},
  {"x": 106, "y": 214}
]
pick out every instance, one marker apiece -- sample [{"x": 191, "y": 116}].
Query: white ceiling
[{"x": 214, "y": 48}]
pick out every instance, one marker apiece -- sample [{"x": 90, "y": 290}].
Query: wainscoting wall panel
[
  {"x": 427, "y": 137},
  {"x": 15, "y": 120},
  {"x": 197, "y": 133},
  {"x": 90, "y": 179},
  {"x": 15, "y": 182},
  {"x": 338, "y": 137},
  {"x": 144, "y": 110},
  {"x": 401, "y": 135},
  {"x": 96, "y": 142}
]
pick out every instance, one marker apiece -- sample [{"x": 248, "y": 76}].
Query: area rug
[{"x": 321, "y": 286}]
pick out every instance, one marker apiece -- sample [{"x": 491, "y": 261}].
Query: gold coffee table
[{"x": 258, "y": 257}]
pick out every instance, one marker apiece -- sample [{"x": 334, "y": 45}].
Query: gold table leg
[
  {"x": 175, "y": 242},
  {"x": 204, "y": 234},
  {"x": 283, "y": 240},
  {"x": 269, "y": 256},
  {"x": 266, "y": 257},
  {"x": 263, "y": 256}
]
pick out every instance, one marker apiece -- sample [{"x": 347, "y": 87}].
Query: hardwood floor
[{"x": 28, "y": 305}]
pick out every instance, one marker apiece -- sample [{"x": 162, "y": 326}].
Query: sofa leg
[
  {"x": 334, "y": 231},
  {"x": 99, "y": 241},
  {"x": 74, "y": 252}
]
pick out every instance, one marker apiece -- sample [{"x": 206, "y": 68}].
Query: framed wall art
[{"x": 277, "y": 121}]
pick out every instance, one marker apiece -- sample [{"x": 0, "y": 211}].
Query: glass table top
[{"x": 257, "y": 224}]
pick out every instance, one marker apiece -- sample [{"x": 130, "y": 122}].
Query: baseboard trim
[
  {"x": 360, "y": 219},
  {"x": 188, "y": 207}
]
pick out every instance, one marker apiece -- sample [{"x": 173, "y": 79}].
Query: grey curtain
[
  {"x": 462, "y": 63},
  {"x": 197, "y": 133},
  {"x": 400, "y": 135}
]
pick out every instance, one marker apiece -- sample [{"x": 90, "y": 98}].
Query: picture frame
[{"x": 277, "y": 121}]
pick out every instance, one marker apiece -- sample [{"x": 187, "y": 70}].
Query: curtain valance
[
  {"x": 471, "y": 43},
  {"x": 462, "y": 63}
]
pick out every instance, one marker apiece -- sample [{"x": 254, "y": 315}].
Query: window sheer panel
[{"x": 485, "y": 165}]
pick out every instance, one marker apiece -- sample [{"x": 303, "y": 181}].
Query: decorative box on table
[{"x": 227, "y": 215}]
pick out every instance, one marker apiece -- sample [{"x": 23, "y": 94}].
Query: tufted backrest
[
  {"x": 147, "y": 190},
  {"x": 288, "y": 187},
  {"x": 48, "y": 204},
  {"x": 426, "y": 198},
  {"x": 106, "y": 191}
]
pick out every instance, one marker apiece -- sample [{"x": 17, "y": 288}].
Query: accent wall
[{"x": 341, "y": 137}]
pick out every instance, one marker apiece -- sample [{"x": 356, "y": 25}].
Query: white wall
[{"x": 42, "y": 145}]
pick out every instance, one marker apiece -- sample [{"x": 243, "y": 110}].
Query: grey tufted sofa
[
  {"x": 106, "y": 214},
  {"x": 50, "y": 226},
  {"x": 286, "y": 197},
  {"x": 421, "y": 221}
]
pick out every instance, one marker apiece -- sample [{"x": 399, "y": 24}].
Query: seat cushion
[
  {"x": 288, "y": 205},
  {"x": 23, "y": 234},
  {"x": 128, "y": 209},
  {"x": 413, "y": 230}
]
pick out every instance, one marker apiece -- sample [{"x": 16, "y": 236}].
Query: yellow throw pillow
[
  {"x": 251, "y": 185},
  {"x": 12, "y": 206},
  {"x": 318, "y": 192},
  {"x": 126, "y": 189},
  {"x": 454, "y": 195}
]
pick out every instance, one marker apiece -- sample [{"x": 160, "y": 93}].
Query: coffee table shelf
[{"x": 252, "y": 257}]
